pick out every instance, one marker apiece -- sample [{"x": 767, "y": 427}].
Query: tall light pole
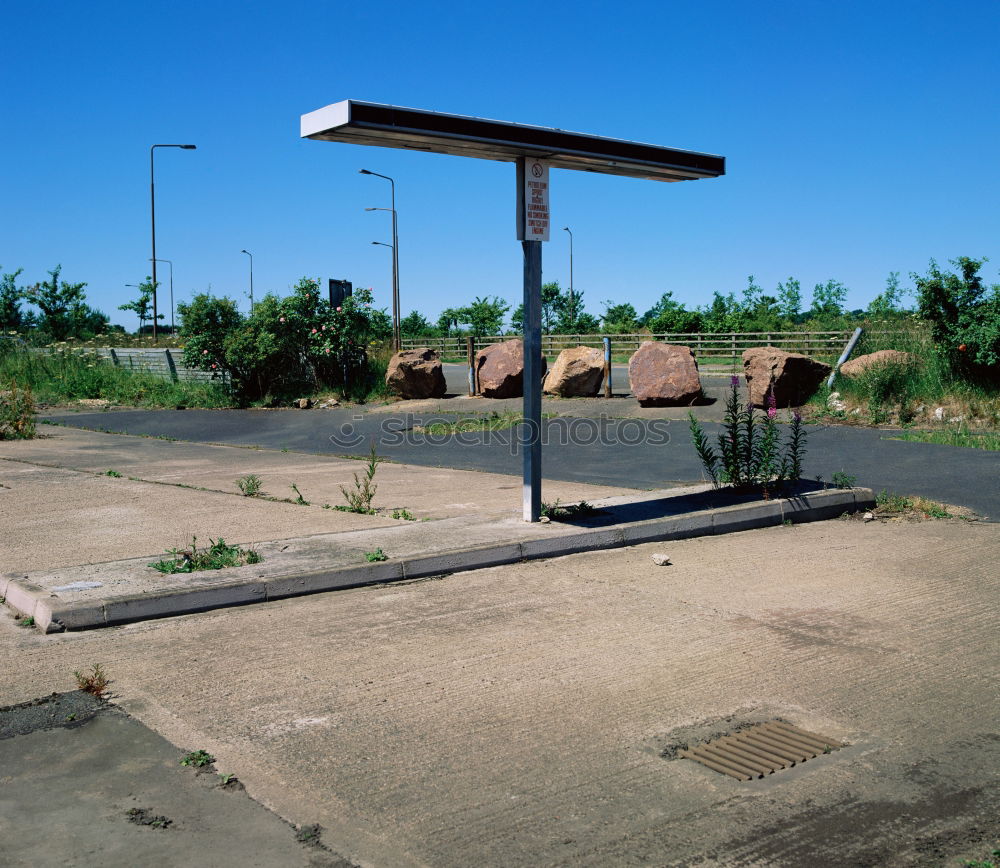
[
  {"x": 572, "y": 307},
  {"x": 395, "y": 326},
  {"x": 248, "y": 253},
  {"x": 172, "y": 330},
  {"x": 152, "y": 218},
  {"x": 395, "y": 259}
]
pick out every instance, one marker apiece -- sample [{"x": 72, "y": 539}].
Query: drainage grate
[{"x": 760, "y": 750}]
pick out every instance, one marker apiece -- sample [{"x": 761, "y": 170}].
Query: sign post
[
  {"x": 534, "y": 150},
  {"x": 532, "y": 230}
]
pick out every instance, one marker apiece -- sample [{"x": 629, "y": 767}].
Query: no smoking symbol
[{"x": 536, "y": 170}]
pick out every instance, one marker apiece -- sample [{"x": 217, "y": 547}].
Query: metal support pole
[
  {"x": 607, "y": 367},
  {"x": 531, "y": 442},
  {"x": 844, "y": 356},
  {"x": 152, "y": 227},
  {"x": 470, "y": 351}
]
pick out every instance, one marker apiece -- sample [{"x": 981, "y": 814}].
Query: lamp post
[
  {"x": 571, "y": 305},
  {"x": 171, "y": 264},
  {"x": 395, "y": 344},
  {"x": 152, "y": 218},
  {"x": 248, "y": 253},
  {"x": 395, "y": 257}
]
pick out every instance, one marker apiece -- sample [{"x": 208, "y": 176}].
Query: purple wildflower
[
  {"x": 797, "y": 416},
  {"x": 734, "y": 381}
]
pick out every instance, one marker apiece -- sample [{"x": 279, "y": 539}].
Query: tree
[
  {"x": 142, "y": 306},
  {"x": 723, "y": 314},
  {"x": 619, "y": 319},
  {"x": 828, "y": 299},
  {"x": 890, "y": 300},
  {"x": 484, "y": 316},
  {"x": 964, "y": 316},
  {"x": 790, "y": 299},
  {"x": 448, "y": 321},
  {"x": 670, "y": 316},
  {"x": 61, "y": 304},
  {"x": 11, "y": 315},
  {"x": 415, "y": 325}
]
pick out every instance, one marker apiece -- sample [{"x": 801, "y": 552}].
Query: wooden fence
[{"x": 711, "y": 348}]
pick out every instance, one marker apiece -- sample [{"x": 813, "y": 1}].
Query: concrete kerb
[{"x": 52, "y": 615}]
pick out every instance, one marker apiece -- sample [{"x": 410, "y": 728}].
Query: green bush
[
  {"x": 66, "y": 375},
  {"x": 17, "y": 413},
  {"x": 286, "y": 346},
  {"x": 964, "y": 316}
]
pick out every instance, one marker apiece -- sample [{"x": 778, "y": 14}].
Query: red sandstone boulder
[
  {"x": 793, "y": 377},
  {"x": 416, "y": 374},
  {"x": 577, "y": 373},
  {"x": 664, "y": 375},
  {"x": 500, "y": 370},
  {"x": 856, "y": 366}
]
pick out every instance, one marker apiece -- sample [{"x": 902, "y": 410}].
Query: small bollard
[
  {"x": 470, "y": 351},
  {"x": 607, "y": 367}
]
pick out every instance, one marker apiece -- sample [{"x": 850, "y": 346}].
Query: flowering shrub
[
  {"x": 749, "y": 449},
  {"x": 286, "y": 345},
  {"x": 17, "y": 413}
]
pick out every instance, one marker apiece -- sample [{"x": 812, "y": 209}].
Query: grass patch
[
  {"x": 375, "y": 556},
  {"x": 359, "y": 499},
  {"x": 299, "y": 499},
  {"x": 494, "y": 421},
  {"x": 94, "y": 682},
  {"x": 953, "y": 437},
  {"x": 909, "y": 392},
  {"x": 64, "y": 376},
  {"x": 217, "y": 556},
  {"x": 557, "y": 511},
  {"x": 891, "y": 505},
  {"x": 403, "y": 515},
  {"x": 29, "y": 621}
]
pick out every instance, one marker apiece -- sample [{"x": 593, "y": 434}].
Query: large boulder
[
  {"x": 882, "y": 357},
  {"x": 500, "y": 370},
  {"x": 577, "y": 373},
  {"x": 664, "y": 375},
  {"x": 416, "y": 374},
  {"x": 793, "y": 377}
]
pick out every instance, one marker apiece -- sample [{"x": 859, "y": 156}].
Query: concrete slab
[
  {"x": 527, "y": 714},
  {"x": 100, "y": 595}
]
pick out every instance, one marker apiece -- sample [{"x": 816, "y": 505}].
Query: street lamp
[
  {"x": 395, "y": 257},
  {"x": 571, "y": 307},
  {"x": 171, "y": 264},
  {"x": 152, "y": 218},
  {"x": 248, "y": 253}
]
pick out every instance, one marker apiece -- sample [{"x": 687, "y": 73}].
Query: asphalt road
[{"x": 638, "y": 453}]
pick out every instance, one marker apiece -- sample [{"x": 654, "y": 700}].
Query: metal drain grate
[{"x": 760, "y": 750}]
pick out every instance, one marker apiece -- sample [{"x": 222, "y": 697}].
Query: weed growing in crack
[
  {"x": 377, "y": 555},
  {"x": 249, "y": 485},
  {"x": 360, "y": 499},
  {"x": 94, "y": 682},
  {"x": 197, "y": 759},
  {"x": 217, "y": 556}
]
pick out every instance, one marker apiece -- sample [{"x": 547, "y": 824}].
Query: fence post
[
  {"x": 607, "y": 367},
  {"x": 470, "y": 351}
]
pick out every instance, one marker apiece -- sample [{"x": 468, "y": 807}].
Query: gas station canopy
[{"x": 365, "y": 123}]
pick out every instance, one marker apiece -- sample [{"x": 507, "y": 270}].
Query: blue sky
[{"x": 861, "y": 138}]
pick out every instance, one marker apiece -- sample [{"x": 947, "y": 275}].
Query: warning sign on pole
[{"x": 532, "y": 200}]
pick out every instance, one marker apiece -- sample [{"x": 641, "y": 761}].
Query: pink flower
[
  {"x": 772, "y": 412},
  {"x": 324, "y": 328},
  {"x": 213, "y": 364},
  {"x": 327, "y": 350},
  {"x": 281, "y": 319},
  {"x": 204, "y": 352},
  {"x": 314, "y": 331},
  {"x": 339, "y": 309}
]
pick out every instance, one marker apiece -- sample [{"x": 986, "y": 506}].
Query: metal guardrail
[{"x": 711, "y": 347}]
